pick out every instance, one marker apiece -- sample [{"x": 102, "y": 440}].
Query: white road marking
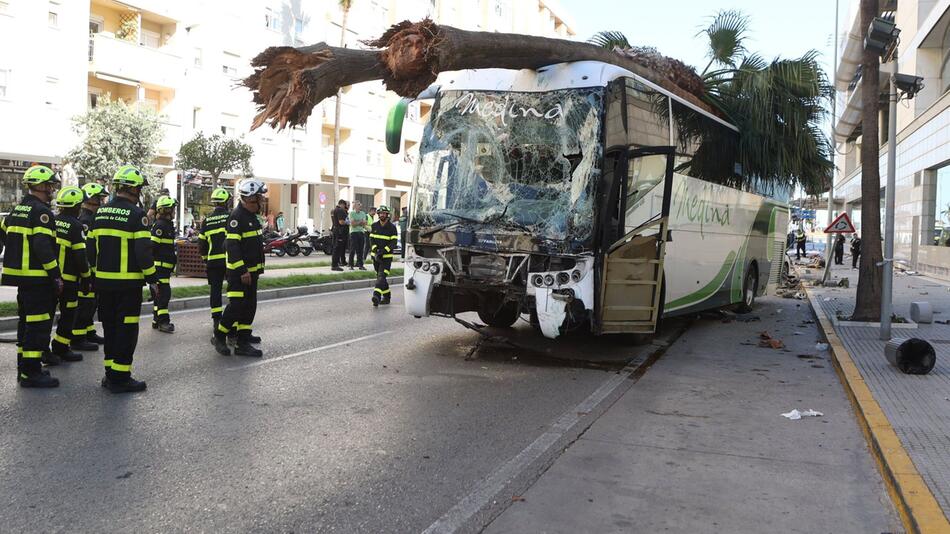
[
  {"x": 309, "y": 351},
  {"x": 488, "y": 488}
]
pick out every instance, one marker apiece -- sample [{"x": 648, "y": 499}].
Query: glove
[{"x": 246, "y": 278}]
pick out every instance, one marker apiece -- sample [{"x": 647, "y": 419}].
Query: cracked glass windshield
[{"x": 512, "y": 162}]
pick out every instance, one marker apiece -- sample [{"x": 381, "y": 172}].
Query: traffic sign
[
  {"x": 841, "y": 225},
  {"x": 323, "y": 198}
]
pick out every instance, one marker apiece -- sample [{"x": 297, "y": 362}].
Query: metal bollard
[{"x": 912, "y": 356}]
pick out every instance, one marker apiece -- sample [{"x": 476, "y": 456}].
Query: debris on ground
[
  {"x": 795, "y": 415},
  {"x": 821, "y": 347},
  {"x": 767, "y": 341},
  {"x": 844, "y": 282}
]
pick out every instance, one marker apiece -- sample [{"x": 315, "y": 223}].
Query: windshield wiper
[{"x": 443, "y": 226}]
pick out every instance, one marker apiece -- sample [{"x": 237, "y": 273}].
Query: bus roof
[{"x": 574, "y": 75}]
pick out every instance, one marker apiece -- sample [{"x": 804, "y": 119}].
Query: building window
[
  {"x": 298, "y": 27},
  {"x": 227, "y": 124},
  {"x": 53, "y": 17},
  {"x": 52, "y": 88},
  {"x": 195, "y": 117},
  {"x": 942, "y": 211},
  {"x": 271, "y": 19},
  {"x": 4, "y": 82},
  {"x": 150, "y": 39},
  {"x": 94, "y": 96},
  {"x": 199, "y": 58},
  {"x": 229, "y": 66}
]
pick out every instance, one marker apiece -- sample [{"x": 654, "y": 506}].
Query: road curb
[
  {"x": 194, "y": 303},
  {"x": 912, "y": 497}
]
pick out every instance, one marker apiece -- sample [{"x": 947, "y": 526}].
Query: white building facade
[
  {"x": 184, "y": 59},
  {"x": 922, "y": 193}
]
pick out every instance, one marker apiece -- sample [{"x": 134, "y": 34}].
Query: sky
[{"x": 786, "y": 29}]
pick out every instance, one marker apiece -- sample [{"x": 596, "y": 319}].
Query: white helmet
[{"x": 251, "y": 187}]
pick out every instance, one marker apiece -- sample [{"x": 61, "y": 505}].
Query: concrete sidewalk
[
  {"x": 914, "y": 408},
  {"x": 698, "y": 444}
]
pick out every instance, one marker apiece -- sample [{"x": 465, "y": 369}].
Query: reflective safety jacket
[
  {"x": 799, "y": 236},
  {"x": 211, "y": 237},
  {"x": 123, "y": 247},
  {"x": 163, "y": 244},
  {"x": 71, "y": 248},
  {"x": 382, "y": 238},
  {"x": 244, "y": 243},
  {"x": 87, "y": 217},
  {"x": 29, "y": 235}
]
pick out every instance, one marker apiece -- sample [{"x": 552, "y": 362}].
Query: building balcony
[
  {"x": 349, "y": 114},
  {"x": 121, "y": 61},
  {"x": 348, "y": 164}
]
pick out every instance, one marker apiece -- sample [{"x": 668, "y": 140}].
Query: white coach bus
[{"x": 578, "y": 194}]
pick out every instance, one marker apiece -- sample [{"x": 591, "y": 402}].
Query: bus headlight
[
  {"x": 576, "y": 275},
  {"x": 434, "y": 269},
  {"x": 548, "y": 280},
  {"x": 563, "y": 278},
  {"x": 425, "y": 266},
  {"x": 417, "y": 264},
  {"x": 538, "y": 280}
]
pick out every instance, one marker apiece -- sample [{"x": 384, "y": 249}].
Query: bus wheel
[
  {"x": 502, "y": 317},
  {"x": 749, "y": 287}
]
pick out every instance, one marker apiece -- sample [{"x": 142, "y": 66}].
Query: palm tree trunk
[
  {"x": 336, "y": 117},
  {"x": 868, "y": 304},
  {"x": 289, "y": 82}
]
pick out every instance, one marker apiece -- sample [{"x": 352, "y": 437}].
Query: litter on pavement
[
  {"x": 821, "y": 347},
  {"x": 795, "y": 415}
]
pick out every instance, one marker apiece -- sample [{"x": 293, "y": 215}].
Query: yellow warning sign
[{"x": 841, "y": 225}]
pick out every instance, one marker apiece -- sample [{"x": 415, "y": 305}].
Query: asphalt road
[{"x": 365, "y": 434}]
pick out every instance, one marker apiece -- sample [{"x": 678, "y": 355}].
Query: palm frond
[
  {"x": 726, "y": 35},
  {"x": 610, "y": 40}
]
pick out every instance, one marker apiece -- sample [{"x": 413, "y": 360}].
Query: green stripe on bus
[{"x": 709, "y": 289}]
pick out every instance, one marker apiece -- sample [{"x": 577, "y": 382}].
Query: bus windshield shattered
[{"x": 510, "y": 171}]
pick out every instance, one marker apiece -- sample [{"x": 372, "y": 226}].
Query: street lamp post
[{"x": 831, "y": 186}]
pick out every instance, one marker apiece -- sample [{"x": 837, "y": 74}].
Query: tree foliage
[
  {"x": 114, "y": 134},
  {"x": 215, "y": 155}
]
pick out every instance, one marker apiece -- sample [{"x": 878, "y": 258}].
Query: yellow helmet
[
  {"x": 69, "y": 197},
  {"x": 165, "y": 202},
  {"x": 92, "y": 189},
  {"x": 39, "y": 174},
  {"x": 128, "y": 175}
]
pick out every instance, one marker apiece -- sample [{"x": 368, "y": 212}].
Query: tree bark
[
  {"x": 868, "y": 304},
  {"x": 288, "y": 82}
]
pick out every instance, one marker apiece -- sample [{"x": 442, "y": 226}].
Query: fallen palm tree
[{"x": 289, "y": 82}]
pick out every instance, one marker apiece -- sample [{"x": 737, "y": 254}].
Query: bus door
[{"x": 631, "y": 282}]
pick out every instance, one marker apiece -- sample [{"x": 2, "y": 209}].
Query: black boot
[
  {"x": 246, "y": 349},
  {"x": 221, "y": 345},
  {"x": 166, "y": 328},
  {"x": 124, "y": 385},
  {"x": 251, "y": 338},
  {"x": 50, "y": 359},
  {"x": 37, "y": 380},
  {"x": 67, "y": 355},
  {"x": 375, "y": 300},
  {"x": 83, "y": 344},
  {"x": 385, "y": 300},
  {"x": 95, "y": 338}
]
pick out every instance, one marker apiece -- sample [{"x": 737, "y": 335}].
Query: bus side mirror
[{"x": 394, "y": 125}]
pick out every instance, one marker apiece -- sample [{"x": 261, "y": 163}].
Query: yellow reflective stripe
[
  {"x": 164, "y": 264},
  {"x": 141, "y": 234},
  {"x": 149, "y": 271},
  {"x": 63, "y": 242},
  {"x": 19, "y": 230},
  {"x": 131, "y": 319},
  {"x": 69, "y": 277},
  {"x": 32, "y": 354},
  {"x": 382, "y": 291},
  {"x": 108, "y": 363},
  {"x": 216, "y": 257},
  {"x": 86, "y": 274},
  {"x": 23, "y": 272},
  {"x": 212, "y": 232},
  {"x": 161, "y": 312},
  {"x": 384, "y": 237},
  {"x": 223, "y": 329},
  {"x": 106, "y": 275},
  {"x": 387, "y": 256},
  {"x": 251, "y": 233},
  {"x": 162, "y": 240},
  {"x": 111, "y": 232},
  {"x": 121, "y": 367},
  {"x": 50, "y": 265},
  {"x": 229, "y": 235},
  {"x": 79, "y": 332},
  {"x": 43, "y": 230},
  {"x": 218, "y": 309},
  {"x": 236, "y": 265},
  {"x": 233, "y": 294},
  {"x": 255, "y": 268},
  {"x": 38, "y": 318},
  {"x": 386, "y": 271},
  {"x": 78, "y": 246},
  {"x": 72, "y": 304},
  {"x": 164, "y": 280},
  {"x": 89, "y": 295},
  {"x": 240, "y": 327},
  {"x": 61, "y": 339}
]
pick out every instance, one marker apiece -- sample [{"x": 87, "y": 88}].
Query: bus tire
[
  {"x": 503, "y": 317},
  {"x": 750, "y": 285}
]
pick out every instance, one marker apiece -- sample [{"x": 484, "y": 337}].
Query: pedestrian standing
[
  {"x": 74, "y": 268},
  {"x": 211, "y": 247},
  {"x": 855, "y": 251},
  {"x": 84, "y": 331},
  {"x": 163, "y": 251},
  {"x": 839, "y": 250},
  {"x": 800, "y": 240},
  {"x": 279, "y": 221},
  {"x": 245, "y": 263},
  {"x": 370, "y": 219},
  {"x": 340, "y": 234},
  {"x": 358, "y": 231},
  {"x": 123, "y": 251},
  {"x": 383, "y": 236},
  {"x": 29, "y": 263}
]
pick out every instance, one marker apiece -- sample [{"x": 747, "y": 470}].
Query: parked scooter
[
  {"x": 277, "y": 244},
  {"x": 299, "y": 243},
  {"x": 322, "y": 241}
]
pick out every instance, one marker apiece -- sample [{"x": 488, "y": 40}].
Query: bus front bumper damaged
[{"x": 563, "y": 299}]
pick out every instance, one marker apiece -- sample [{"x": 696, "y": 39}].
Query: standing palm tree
[{"x": 345, "y": 6}]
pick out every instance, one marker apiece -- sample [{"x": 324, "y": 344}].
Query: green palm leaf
[
  {"x": 726, "y": 35},
  {"x": 610, "y": 40}
]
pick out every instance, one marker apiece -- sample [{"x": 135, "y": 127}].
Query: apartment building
[
  {"x": 922, "y": 193},
  {"x": 184, "y": 59}
]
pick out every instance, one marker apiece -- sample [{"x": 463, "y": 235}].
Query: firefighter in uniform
[
  {"x": 84, "y": 332},
  {"x": 383, "y": 237},
  {"x": 29, "y": 263},
  {"x": 211, "y": 246},
  {"x": 74, "y": 268},
  {"x": 163, "y": 251},
  {"x": 244, "y": 247},
  {"x": 123, "y": 247},
  {"x": 800, "y": 240}
]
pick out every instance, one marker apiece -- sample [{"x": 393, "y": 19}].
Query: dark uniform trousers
[
  {"x": 119, "y": 313},
  {"x": 239, "y": 315},
  {"x": 160, "y": 304},
  {"x": 382, "y": 267},
  {"x": 68, "y": 305},
  {"x": 85, "y": 312},
  {"x": 216, "y": 281},
  {"x": 35, "y": 302}
]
